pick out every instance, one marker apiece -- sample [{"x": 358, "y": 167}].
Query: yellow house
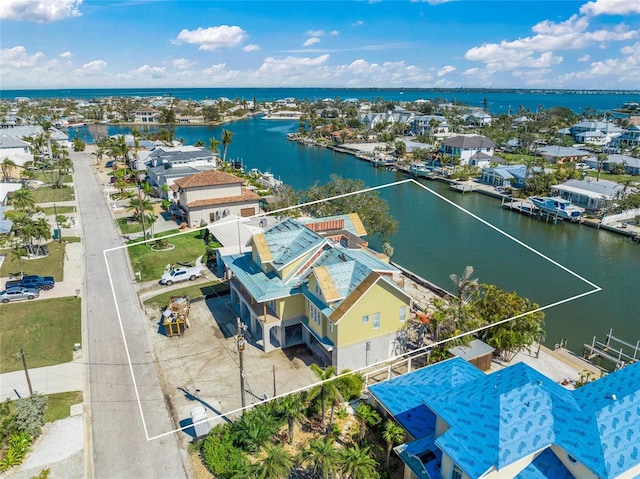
[{"x": 297, "y": 286}]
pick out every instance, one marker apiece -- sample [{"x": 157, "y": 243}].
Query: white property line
[{"x": 595, "y": 289}]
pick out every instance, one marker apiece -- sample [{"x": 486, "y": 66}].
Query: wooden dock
[{"x": 524, "y": 207}]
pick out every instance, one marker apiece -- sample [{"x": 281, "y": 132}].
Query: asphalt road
[{"x": 118, "y": 432}]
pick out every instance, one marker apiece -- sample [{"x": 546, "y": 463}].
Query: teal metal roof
[
  {"x": 261, "y": 286},
  {"x": 288, "y": 240}
]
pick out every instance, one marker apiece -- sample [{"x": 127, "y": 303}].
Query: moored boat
[
  {"x": 557, "y": 206},
  {"x": 420, "y": 170}
]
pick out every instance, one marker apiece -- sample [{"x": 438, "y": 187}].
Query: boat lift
[{"x": 612, "y": 350}]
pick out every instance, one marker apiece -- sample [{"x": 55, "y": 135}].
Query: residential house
[
  {"x": 208, "y": 196},
  {"x": 15, "y": 149},
  {"x": 146, "y": 115},
  {"x": 167, "y": 164},
  {"x": 521, "y": 122},
  {"x": 432, "y": 125},
  {"x": 478, "y": 118},
  {"x": 560, "y": 154},
  {"x": 630, "y": 138},
  {"x": 298, "y": 286},
  {"x": 608, "y": 129},
  {"x": 588, "y": 193},
  {"x": 630, "y": 163},
  {"x": 5, "y": 190},
  {"x": 513, "y": 423},
  {"x": 513, "y": 176},
  {"x": 597, "y": 138},
  {"x": 464, "y": 147}
]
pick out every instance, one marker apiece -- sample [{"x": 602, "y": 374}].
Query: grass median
[
  {"x": 212, "y": 288},
  {"x": 46, "y": 329}
]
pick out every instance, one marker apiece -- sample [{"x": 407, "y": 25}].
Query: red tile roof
[
  {"x": 208, "y": 178},
  {"x": 246, "y": 196}
]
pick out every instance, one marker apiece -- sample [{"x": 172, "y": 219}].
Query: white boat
[
  {"x": 420, "y": 170},
  {"x": 557, "y": 206}
]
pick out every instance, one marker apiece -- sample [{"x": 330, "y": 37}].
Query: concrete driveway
[{"x": 202, "y": 366}]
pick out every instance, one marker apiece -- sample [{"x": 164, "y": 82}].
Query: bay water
[{"x": 547, "y": 263}]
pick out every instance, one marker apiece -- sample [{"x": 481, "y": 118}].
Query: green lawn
[
  {"x": 59, "y": 404},
  {"x": 126, "y": 227},
  {"x": 193, "y": 291},
  {"x": 51, "y": 265},
  {"x": 61, "y": 210},
  {"x": 49, "y": 195},
  {"x": 151, "y": 264},
  {"x": 617, "y": 178},
  {"x": 51, "y": 176},
  {"x": 46, "y": 329}
]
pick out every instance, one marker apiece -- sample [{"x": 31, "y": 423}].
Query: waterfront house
[
  {"x": 507, "y": 176},
  {"x": 588, "y": 193},
  {"x": 208, "y": 196},
  {"x": 166, "y": 164},
  {"x": 146, "y": 115},
  {"x": 630, "y": 138},
  {"x": 463, "y": 147},
  {"x": 513, "y": 423},
  {"x": 299, "y": 286},
  {"x": 560, "y": 154}
]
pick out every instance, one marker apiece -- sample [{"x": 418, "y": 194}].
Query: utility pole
[
  {"x": 144, "y": 230},
  {"x": 241, "y": 342},
  {"x": 26, "y": 371},
  {"x": 55, "y": 212}
]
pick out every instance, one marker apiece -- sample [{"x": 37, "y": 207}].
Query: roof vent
[{"x": 613, "y": 397}]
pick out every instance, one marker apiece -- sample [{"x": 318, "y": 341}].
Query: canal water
[{"x": 436, "y": 239}]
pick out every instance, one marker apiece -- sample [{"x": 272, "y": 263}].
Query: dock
[
  {"x": 524, "y": 207},
  {"x": 613, "y": 351}
]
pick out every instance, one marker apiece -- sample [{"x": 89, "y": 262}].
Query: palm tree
[
  {"x": 214, "y": 145},
  {"x": 17, "y": 253},
  {"x": 139, "y": 206},
  {"x": 393, "y": 435},
  {"x": 467, "y": 286},
  {"x": 226, "y": 141},
  {"x": 602, "y": 157},
  {"x": 356, "y": 463},
  {"x": 42, "y": 232},
  {"x": 22, "y": 200},
  {"x": 367, "y": 417},
  {"x": 277, "y": 464},
  {"x": 326, "y": 388},
  {"x": 7, "y": 166},
  {"x": 321, "y": 456},
  {"x": 291, "y": 408}
]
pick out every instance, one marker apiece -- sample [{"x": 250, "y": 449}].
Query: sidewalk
[{"x": 47, "y": 380}]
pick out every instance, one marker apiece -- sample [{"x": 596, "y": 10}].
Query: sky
[{"x": 559, "y": 44}]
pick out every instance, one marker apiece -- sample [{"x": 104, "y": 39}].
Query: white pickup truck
[{"x": 174, "y": 274}]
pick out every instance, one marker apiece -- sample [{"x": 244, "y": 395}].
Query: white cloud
[
  {"x": 584, "y": 58},
  {"x": 311, "y": 41},
  {"x": 445, "y": 70},
  {"x": 315, "y": 33},
  {"x": 17, "y": 57},
  {"x": 610, "y": 7},
  {"x": 334, "y": 33},
  {"x": 213, "y": 38},
  {"x": 357, "y": 23},
  {"x": 251, "y": 48},
  {"x": 66, "y": 54},
  {"x": 91, "y": 68},
  {"x": 147, "y": 71},
  {"x": 289, "y": 64},
  {"x": 182, "y": 63},
  {"x": 39, "y": 11},
  {"x": 571, "y": 34}
]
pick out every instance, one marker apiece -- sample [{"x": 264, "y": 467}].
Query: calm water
[
  {"x": 498, "y": 101},
  {"x": 436, "y": 239}
]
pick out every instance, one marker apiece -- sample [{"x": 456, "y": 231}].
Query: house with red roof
[{"x": 208, "y": 196}]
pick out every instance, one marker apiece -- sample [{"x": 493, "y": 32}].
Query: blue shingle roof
[
  {"x": 498, "y": 419},
  {"x": 546, "y": 465}
]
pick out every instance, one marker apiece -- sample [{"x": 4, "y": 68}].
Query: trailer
[{"x": 175, "y": 317}]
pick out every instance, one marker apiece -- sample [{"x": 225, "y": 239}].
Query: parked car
[
  {"x": 32, "y": 281},
  {"x": 182, "y": 273},
  {"x": 18, "y": 293}
]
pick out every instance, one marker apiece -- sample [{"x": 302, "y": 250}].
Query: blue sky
[{"x": 434, "y": 43}]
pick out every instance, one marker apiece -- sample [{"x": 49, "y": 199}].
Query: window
[
  {"x": 376, "y": 321},
  {"x": 315, "y": 314},
  {"x": 456, "y": 473},
  {"x": 365, "y": 318},
  {"x": 331, "y": 327},
  {"x": 403, "y": 313}
]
